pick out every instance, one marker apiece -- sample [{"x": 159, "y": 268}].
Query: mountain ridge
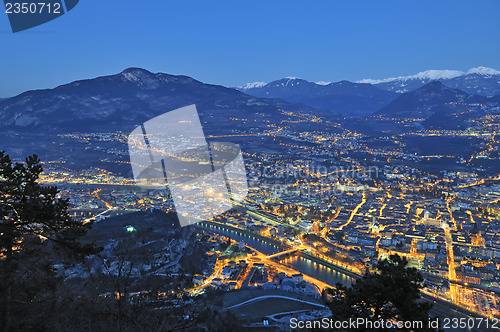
[
  {"x": 345, "y": 97},
  {"x": 418, "y": 103},
  {"x": 479, "y": 80},
  {"x": 124, "y": 100},
  {"x": 436, "y": 75}
]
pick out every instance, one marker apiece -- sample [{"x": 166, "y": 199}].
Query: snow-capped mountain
[
  {"x": 284, "y": 82},
  {"x": 431, "y": 75},
  {"x": 251, "y": 86},
  {"x": 483, "y": 71},
  {"x": 352, "y": 99},
  {"x": 480, "y": 80}
]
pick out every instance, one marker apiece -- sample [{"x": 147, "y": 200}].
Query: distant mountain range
[
  {"x": 367, "y": 96},
  {"x": 352, "y": 99},
  {"x": 127, "y": 99},
  {"x": 432, "y": 106},
  {"x": 480, "y": 81},
  {"x": 419, "y": 103}
]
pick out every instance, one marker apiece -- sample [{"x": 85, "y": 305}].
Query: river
[{"x": 323, "y": 273}]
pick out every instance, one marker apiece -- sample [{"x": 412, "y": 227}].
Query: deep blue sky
[{"x": 234, "y": 42}]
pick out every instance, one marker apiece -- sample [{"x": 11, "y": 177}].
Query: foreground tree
[
  {"x": 33, "y": 222},
  {"x": 392, "y": 293}
]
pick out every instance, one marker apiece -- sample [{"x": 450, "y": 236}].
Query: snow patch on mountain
[
  {"x": 432, "y": 75},
  {"x": 136, "y": 74},
  {"x": 289, "y": 81},
  {"x": 252, "y": 85},
  {"x": 483, "y": 71},
  {"x": 425, "y": 75}
]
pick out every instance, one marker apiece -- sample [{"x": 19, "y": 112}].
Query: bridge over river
[
  {"x": 282, "y": 252},
  {"x": 317, "y": 268}
]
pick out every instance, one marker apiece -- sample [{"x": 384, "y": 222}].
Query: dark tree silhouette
[
  {"x": 392, "y": 293},
  {"x": 36, "y": 232},
  {"x": 32, "y": 218},
  {"x": 28, "y": 209}
]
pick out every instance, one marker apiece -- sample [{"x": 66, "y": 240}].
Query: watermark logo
[
  {"x": 27, "y": 14},
  {"x": 204, "y": 179}
]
